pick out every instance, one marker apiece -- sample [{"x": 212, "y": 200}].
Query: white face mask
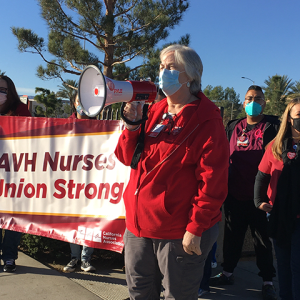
[{"x": 3, "y": 98}]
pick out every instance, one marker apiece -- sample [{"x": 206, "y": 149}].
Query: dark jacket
[{"x": 271, "y": 129}]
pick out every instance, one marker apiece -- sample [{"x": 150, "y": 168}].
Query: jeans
[
  {"x": 86, "y": 252},
  {"x": 204, "y": 285},
  {"x": 288, "y": 264},
  {"x": 213, "y": 255},
  {"x": 9, "y": 245}
]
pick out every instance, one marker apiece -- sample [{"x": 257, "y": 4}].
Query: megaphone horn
[{"x": 95, "y": 91}]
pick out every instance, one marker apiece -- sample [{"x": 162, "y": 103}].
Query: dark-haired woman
[
  {"x": 10, "y": 105},
  {"x": 279, "y": 178}
]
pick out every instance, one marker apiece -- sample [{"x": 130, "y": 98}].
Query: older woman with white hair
[{"x": 174, "y": 195}]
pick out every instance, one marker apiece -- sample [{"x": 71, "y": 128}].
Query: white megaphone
[{"x": 95, "y": 91}]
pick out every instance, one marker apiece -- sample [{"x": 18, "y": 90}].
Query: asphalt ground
[{"x": 33, "y": 280}]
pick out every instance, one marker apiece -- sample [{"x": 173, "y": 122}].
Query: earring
[{"x": 188, "y": 84}]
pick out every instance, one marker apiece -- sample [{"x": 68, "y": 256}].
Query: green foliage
[
  {"x": 39, "y": 111},
  {"x": 122, "y": 72},
  {"x": 36, "y": 246},
  {"x": 226, "y": 98},
  {"x": 2, "y": 73},
  {"x": 296, "y": 89},
  {"x": 214, "y": 93},
  {"x": 67, "y": 109},
  {"x": 28, "y": 40},
  {"x": 117, "y": 31},
  {"x": 242, "y": 114},
  {"x": 277, "y": 89},
  {"x": 67, "y": 91},
  {"x": 52, "y": 106}
]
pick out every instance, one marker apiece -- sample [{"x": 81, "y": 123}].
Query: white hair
[{"x": 191, "y": 61}]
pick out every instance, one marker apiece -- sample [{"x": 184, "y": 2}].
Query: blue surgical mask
[
  {"x": 168, "y": 81},
  {"x": 80, "y": 110},
  {"x": 253, "y": 109}
]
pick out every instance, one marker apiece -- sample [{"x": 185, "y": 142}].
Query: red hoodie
[{"x": 181, "y": 182}]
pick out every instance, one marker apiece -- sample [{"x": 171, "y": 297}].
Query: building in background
[{"x": 31, "y": 104}]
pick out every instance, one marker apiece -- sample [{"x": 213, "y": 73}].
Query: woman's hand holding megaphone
[{"x": 133, "y": 111}]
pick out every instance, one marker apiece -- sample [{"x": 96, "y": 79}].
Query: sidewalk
[{"x": 33, "y": 280}]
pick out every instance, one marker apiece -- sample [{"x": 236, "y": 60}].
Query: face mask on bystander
[
  {"x": 253, "y": 109},
  {"x": 296, "y": 123},
  {"x": 3, "y": 98},
  {"x": 80, "y": 111}
]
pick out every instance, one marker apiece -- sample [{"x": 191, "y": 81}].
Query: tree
[
  {"x": 277, "y": 90},
  {"x": 296, "y": 89},
  {"x": 52, "y": 106},
  {"x": 215, "y": 94},
  {"x": 67, "y": 109},
  {"x": 2, "y": 73},
  {"x": 119, "y": 29},
  {"x": 67, "y": 89},
  {"x": 226, "y": 98}
]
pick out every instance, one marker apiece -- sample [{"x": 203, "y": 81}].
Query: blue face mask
[
  {"x": 168, "y": 81},
  {"x": 80, "y": 110},
  {"x": 253, "y": 109}
]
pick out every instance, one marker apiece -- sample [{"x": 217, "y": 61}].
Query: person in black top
[
  {"x": 277, "y": 192},
  {"x": 247, "y": 138}
]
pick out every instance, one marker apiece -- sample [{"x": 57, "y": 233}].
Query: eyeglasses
[
  {"x": 3, "y": 90},
  {"x": 256, "y": 99}
]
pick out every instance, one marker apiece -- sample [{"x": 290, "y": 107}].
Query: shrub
[{"x": 35, "y": 246}]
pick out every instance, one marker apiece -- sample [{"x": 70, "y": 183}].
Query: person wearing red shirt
[
  {"x": 174, "y": 195},
  {"x": 10, "y": 105},
  {"x": 277, "y": 192}
]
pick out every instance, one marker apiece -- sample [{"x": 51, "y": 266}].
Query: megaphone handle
[
  {"x": 143, "y": 120},
  {"x": 140, "y": 143}
]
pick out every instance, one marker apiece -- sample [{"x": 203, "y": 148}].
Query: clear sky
[{"x": 234, "y": 38}]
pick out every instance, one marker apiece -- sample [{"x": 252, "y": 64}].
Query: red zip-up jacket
[{"x": 185, "y": 189}]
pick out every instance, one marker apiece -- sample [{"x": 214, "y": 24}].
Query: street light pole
[{"x": 248, "y": 79}]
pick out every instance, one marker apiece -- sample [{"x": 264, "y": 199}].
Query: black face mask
[{"x": 296, "y": 124}]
